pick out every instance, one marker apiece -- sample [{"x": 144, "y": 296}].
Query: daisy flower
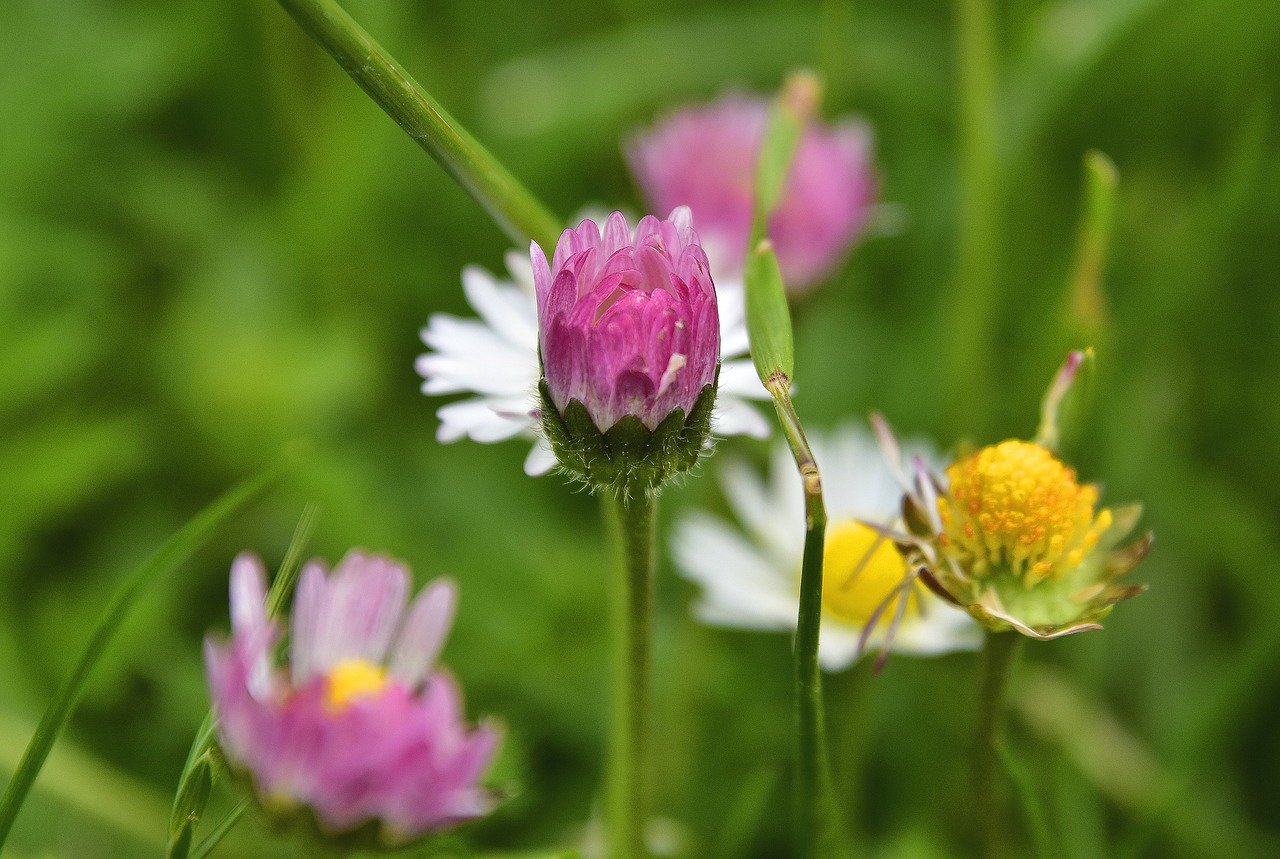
[
  {"x": 704, "y": 156},
  {"x": 359, "y": 736},
  {"x": 1010, "y": 534},
  {"x": 495, "y": 359},
  {"x": 750, "y": 575}
]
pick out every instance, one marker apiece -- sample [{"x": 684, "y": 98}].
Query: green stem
[
  {"x": 507, "y": 201},
  {"x": 977, "y": 283},
  {"x": 172, "y": 554},
  {"x": 815, "y": 791},
  {"x": 627, "y": 796},
  {"x": 999, "y": 652}
]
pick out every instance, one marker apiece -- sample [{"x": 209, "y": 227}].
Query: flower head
[
  {"x": 751, "y": 580},
  {"x": 495, "y": 358},
  {"x": 629, "y": 338},
  {"x": 704, "y": 157},
  {"x": 627, "y": 322},
  {"x": 359, "y": 732},
  {"x": 1010, "y": 534}
]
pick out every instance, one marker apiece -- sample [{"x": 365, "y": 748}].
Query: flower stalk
[
  {"x": 999, "y": 653},
  {"x": 773, "y": 351},
  {"x": 627, "y": 794},
  {"x": 520, "y": 215},
  {"x": 815, "y": 790}
]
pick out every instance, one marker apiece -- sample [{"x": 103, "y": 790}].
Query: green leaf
[
  {"x": 220, "y": 832},
  {"x": 201, "y": 770},
  {"x": 1087, "y": 312},
  {"x": 788, "y": 116},
  {"x": 165, "y": 560},
  {"x": 768, "y": 318}
]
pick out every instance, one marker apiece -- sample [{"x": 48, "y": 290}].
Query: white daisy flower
[
  {"x": 750, "y": 575},
  {"x": 495, "y": 357}
]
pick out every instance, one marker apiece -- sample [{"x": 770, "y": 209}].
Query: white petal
[
  {"x": 520, "y": 267},
  {"x": 942, "y": 629},
  {"x": 740, "y": 379},
  {"x": 746, "y": 608},
  {"x": 484, "y": 419},
  {"x": 838, "y": 644},
  {"x": 541, "y": 458},
  {"x": 469, "y": 356},
  {"x": 735, "y": 417},
  {"x": 508, "y": 310},
  {"x": 730, "y": 301},
  {"x": 740, "y": 586}
]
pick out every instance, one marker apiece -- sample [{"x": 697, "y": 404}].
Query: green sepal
[
  {"x": 628, "y": 457},
  {"x": 1066, "y": 401}
]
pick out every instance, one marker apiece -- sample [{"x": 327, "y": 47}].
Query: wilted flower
[
  {"x": 495, "y": 357},
  {"x": 751, "y": 580},
  {"x": 1010, "y": 534},
  {"x": 629, "y": 338},
  {"x": 358, "y": 733},
  {"x": 704, "y": 157}
]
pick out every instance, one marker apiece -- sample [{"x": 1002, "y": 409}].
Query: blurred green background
[{"x": 212, "y": 243}]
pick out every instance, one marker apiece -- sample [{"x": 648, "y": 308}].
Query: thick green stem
[
  {"x": 507, "y": 201},
  {"x": 977, "y": 278},
  {"x": 999, "y": 652},
  {"x": 627, "y": 794}
]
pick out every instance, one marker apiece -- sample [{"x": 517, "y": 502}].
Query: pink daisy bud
[
  {"x": 629, "y": 338},
  {"x": 359, "y": 734},
  {"x": 704, "y": 157},
  {"x": 627, "y": 323}
]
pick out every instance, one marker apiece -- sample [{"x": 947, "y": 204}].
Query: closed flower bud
[{"x": 629, "y": 339}]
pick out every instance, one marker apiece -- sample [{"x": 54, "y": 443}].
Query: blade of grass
[
  {"x": 165, "y": 560},
  {"x": 201, "y": 768}
]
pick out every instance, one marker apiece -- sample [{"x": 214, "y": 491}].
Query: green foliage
[{"x": 211, "y": 242}]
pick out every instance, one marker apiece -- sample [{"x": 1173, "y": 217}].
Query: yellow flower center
[
  {"x": 859, "y": 574},
  {"x": 352, "y": 679},
  {"x": 1014, "y": 503}
]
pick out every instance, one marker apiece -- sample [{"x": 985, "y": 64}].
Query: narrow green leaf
[
  {"x": 788, "y": 116},
  {"x": 769, "y": 318},
  {"x": 191, "y": 799},
  {"x": 1087, "y": 301},
  {"x": 220, "y": 832},
  {"x": 166, "y": 559},
  {"x": 502, "y": 196},
  {"x": 193, "y": 794}
]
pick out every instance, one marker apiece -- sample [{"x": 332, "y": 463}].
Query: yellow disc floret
[
  {"x": 1016, "y": 504},
  {"x": 351, "y": 679},
  {"x": 859, "y": 574}
]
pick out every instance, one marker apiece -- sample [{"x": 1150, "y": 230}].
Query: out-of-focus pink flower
[
  {"x": 360, "y": 727},
  {"x": 627, "y": 322},
  {"x": 704, "y": 157}
]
